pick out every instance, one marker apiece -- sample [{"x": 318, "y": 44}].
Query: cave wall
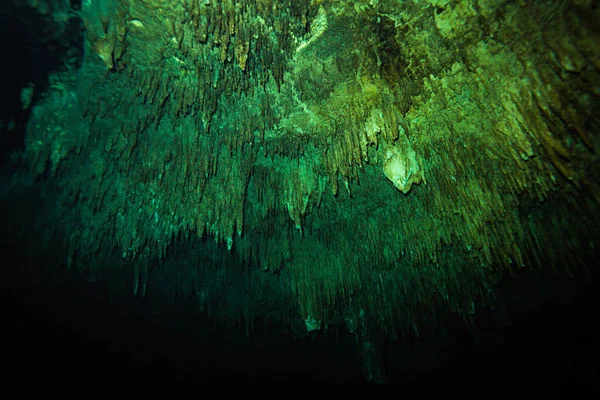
[{"x": 378, "y": 164}]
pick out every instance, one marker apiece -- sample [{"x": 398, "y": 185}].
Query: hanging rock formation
[{"x": 378, "y": 164}]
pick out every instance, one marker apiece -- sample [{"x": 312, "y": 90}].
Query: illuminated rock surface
[{"x": 384, "y": 166}]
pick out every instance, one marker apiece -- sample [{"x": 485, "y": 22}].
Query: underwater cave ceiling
[{"x": 378, "y": 164}]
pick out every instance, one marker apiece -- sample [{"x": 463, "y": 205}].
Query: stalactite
[{"x": 396, "y": 167}]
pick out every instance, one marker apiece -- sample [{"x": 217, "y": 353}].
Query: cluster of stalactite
[{"x": 393, "y": 158}]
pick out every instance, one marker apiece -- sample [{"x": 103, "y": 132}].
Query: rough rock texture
[{"x": 384, "y": 162}]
